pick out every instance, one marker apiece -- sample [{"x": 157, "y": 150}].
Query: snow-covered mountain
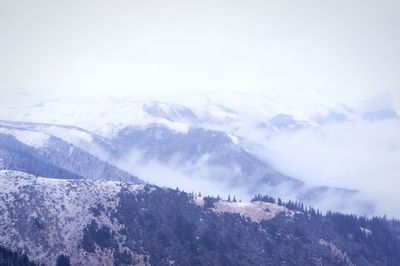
[
  {"x": 98, "y": 222},
  {"x": 78, "y": 137},
  {"x": 221, "y": 141},
  {"x": 44, "y": 217},
  {"x": 215, "y": 157},
  {"x": 194, "y": 160},
  {"x": 39, "y": 153},
  {"x": 385, "y": 105},
  {"x": 228, "y": 111}
]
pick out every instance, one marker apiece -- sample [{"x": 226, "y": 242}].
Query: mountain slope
[
  {"x": 22, "y": 152},
  {"x": 219, "y": 157},
  {"x": 98, "y": 127},
  {"x": 79, "y": 137},
  {"x": 16, "y": 155},
  {"x": 195, "y": 154},
  {"x": 114, "y": 223}
]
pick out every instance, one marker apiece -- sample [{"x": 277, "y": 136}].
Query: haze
[{"x": 57, "y": 48}]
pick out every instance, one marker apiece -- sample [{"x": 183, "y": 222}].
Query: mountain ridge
[{"x": 117, "y": 223}]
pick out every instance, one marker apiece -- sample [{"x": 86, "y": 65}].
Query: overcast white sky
[{"x": 347, "y": 48}]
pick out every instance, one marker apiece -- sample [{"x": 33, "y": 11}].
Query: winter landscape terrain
[
  {"x": 121, "y": 182},
  {"x": 219, "y": 148},
  {"x": 216, "y": 133}
]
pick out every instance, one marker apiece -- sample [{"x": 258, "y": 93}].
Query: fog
[
  {"x": 199, "y": 175},
  {"x": 191, "y": 176},
  {"x": 360, "y": 155}
]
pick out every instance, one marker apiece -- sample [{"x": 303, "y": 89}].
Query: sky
[{"x": 57, "y": 48}]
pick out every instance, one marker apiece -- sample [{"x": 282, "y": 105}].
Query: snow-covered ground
[
  {"x": 30, "y": 138},
  {"x": 64, "y": 207},
  {"x": 256, "y": 211}
]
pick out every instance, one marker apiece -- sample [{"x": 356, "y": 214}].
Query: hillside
[{"x": 97, "y": 222}]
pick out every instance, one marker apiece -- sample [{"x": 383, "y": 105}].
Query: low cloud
[
  {"x": 356, "y": 155},
  {"x": 190, "y": 176},
  {"x": 202, "y": 176}
]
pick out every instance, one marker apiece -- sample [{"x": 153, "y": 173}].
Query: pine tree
[
  {"x": 63, "y": 260},
  {"x": 279, "y": 201}
]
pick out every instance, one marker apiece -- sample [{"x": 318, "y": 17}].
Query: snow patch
[
  {"x": 366, "y": 231},
  {"x": 342, "y": 256},
  {"x": 235, "y": 139},
  {"x": 256, "y": 211},
  {"x": 30, "y": 138},
  {"x": 72, "y": 136},
  {"x": 199, "y": 201}
]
